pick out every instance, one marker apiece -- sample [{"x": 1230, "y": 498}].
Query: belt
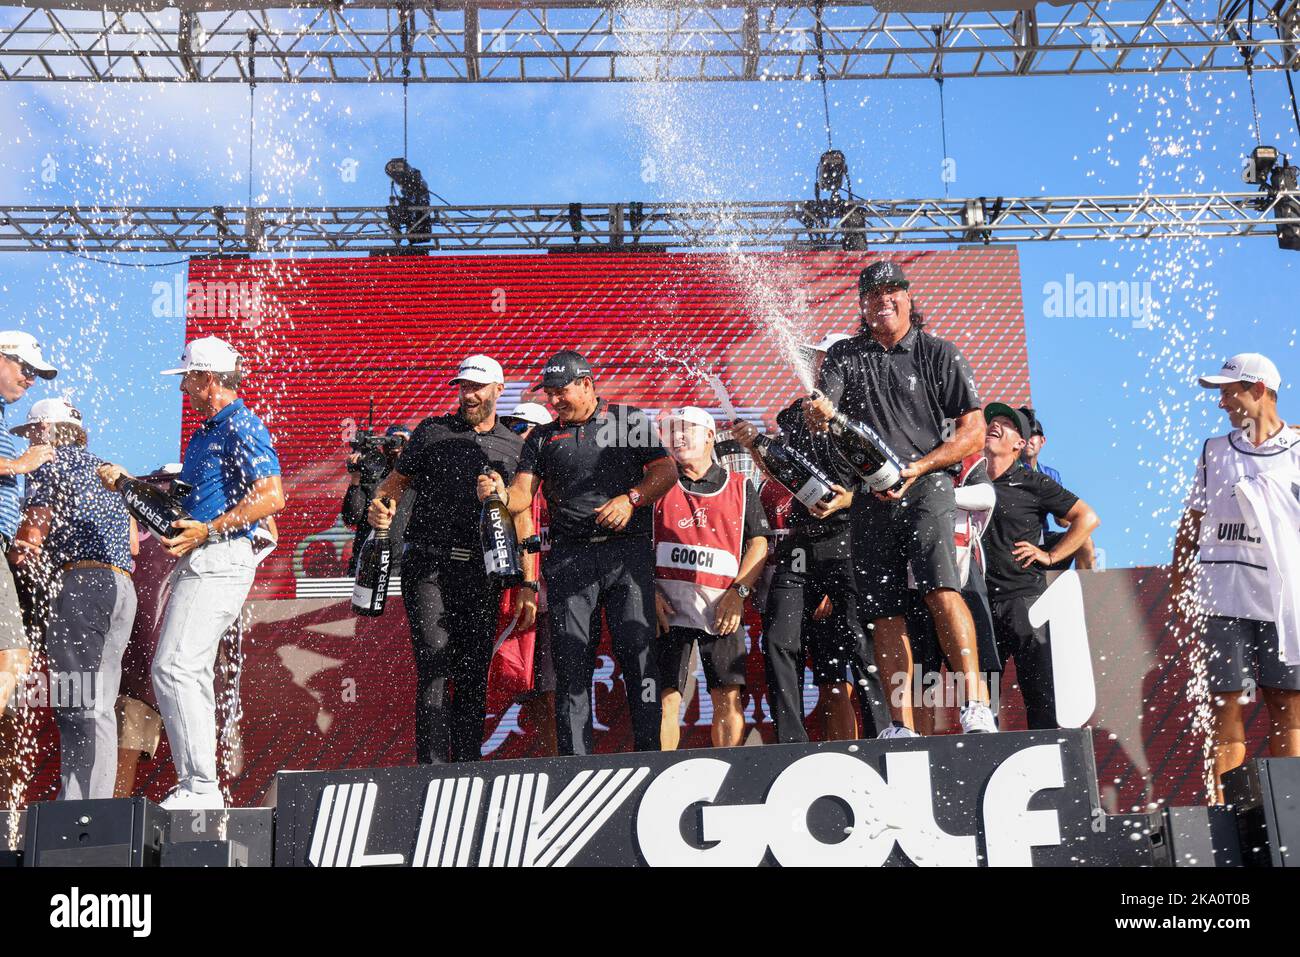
[
  {"x": 441, "y": 551},
  {"x": 571, "y": 540},
  {"x": 73, "y": 566}
]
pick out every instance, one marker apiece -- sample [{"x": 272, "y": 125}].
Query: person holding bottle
[
  {"x": 233, "y": 475},
  {"x": 917, "y": 393},
  {"x": 813, "y": 603},
  {"x": 451, "y": 602}
]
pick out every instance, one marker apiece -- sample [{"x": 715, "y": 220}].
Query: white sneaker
[
  {"x": 896, "y": 731},
  {"x": 976, "y": 718},
  {"x": 183, "y": 799}
]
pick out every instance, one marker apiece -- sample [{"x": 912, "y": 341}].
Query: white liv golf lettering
[
  {"x": 523, "y": 828},
  {"x": 898, "y": 812}
]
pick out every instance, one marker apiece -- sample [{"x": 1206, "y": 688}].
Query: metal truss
[
  {"x": 207, "y": 231},
  {"x": 449, "y": 41}
]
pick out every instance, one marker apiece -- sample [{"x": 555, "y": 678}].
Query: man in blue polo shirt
[
  {"x": 236, "y": 477},
  {"x": 20, "y": 365}
]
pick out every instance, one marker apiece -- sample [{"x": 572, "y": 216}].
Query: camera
[{"x": 373, "y": 450}]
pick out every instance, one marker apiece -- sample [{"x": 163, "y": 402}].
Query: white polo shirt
[{"x": 1233, "y": 572}]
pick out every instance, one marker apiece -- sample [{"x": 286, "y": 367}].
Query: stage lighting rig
[
  {"x": 1259, "y": 164},
  {"x": 408, "y": 201},
  {"x": 836, "y": 211},
  {"x": 1274, "y": 179}
]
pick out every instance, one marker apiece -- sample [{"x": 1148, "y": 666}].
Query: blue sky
[{"x": 1124, "y": 420}]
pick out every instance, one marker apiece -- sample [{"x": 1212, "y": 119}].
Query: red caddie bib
[{"x": 699, "y": 538}]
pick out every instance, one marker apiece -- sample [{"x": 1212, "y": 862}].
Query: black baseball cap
[
  {"x": 562, "y": 368},
  {"x": 995, "y": 409},
  {"x": 1035, "y": 426},
  {"x": 883, "y": 273}
]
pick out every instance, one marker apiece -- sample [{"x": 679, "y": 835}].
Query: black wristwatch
[
  {"x": 532, "y": 544},
  {"x": 537, "y": 589}
]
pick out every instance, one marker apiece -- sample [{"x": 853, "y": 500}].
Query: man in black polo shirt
[
  {"x": 814, "y": 568},
  {"x": 1086, "y": 557},
  {"x": 1015, "y": 579},
  {"x": 451, "y": 604},
  {"x": 600, "y": 467},
  {"x": 918, "y": 393}
]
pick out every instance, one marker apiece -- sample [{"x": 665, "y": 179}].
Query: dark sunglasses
[
  {"x": 29, "y": 371},
  {"x": 519, "y": 426}
]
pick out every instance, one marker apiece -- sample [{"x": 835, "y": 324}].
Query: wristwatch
[
  {"x": 532, "y": 544},
  {"x": 743, "y": 591},
  {"x": 634, "y": 497},
  {"x": 533, "y": 585}
]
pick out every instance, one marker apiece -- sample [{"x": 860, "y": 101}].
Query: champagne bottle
[
  {"x": 867, "y": 452},
  {"x": 500, "y": 545},
  {"x": 370, "y": 592},
  {"x": 152, "y": 507},
  {"x": 800, "y": 475}
]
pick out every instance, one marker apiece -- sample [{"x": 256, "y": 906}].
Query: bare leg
[
  {"x": 128, "y": 759},
  {"x": 1229, "y": 737},
  {"x": 841, "y": 714},
  {"x": 923, "y": 713},
  {"x": 956, "y": 630},
  {"x": 728, "y": 717},
  {"x": 14, "y": 665},
  {"x": 894, "y": 659},
  {"x": 1284, "y": 722},
  {"x": 670, "y": 734},
  {"x": 820, "y": 716}
]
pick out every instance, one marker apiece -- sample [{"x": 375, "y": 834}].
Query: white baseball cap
[
  {"x": 49, "y": 412},
  {"x": 481, "y": 369},
  {"x": 829, "y": 340},
  {"x": 24, "y": 347},
  {"x": 533, "y": 412},
  {"x": 692, "y": 414},
  {"x": 1245, "y": 367},
  {"x": 208, "y": 354}
]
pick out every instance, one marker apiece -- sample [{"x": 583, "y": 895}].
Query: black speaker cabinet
[
  {"x": 1201, "y": 837},
  {"x": 117, "y": 832},
  {"x": 205, "y": 854},
  {"x": 1265, "y": 794}
]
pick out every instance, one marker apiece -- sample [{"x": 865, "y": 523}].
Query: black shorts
[
  {"x": 1244, "y": 652},
  {"x": 890, "y": 537},
  {"x": 723, "y": 657}
]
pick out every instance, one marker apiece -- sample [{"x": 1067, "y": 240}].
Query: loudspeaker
[
  {"x": 205, "y": 854},
  {"x": 11, "y": 825},
  {"x": 1201, "y": 837},
  {"x": 252, "y": 827},
  {"x": 116, "y": 832},
  {"x": 1265, "y": 794}
]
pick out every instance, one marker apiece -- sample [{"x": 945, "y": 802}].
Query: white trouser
[
  {"x": 87, "y": 635},
  {"x": 207, "y": 589}
]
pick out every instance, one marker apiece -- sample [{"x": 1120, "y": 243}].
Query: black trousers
[
  {"x": 452, "y": 609},
  {"x": 806, "y": 570},
  {"x": 582, "y": 579},
  {"x": 1032, "y": 650}
]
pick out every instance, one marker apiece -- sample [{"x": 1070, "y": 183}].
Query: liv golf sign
[{"x": 1018, "y": 799}]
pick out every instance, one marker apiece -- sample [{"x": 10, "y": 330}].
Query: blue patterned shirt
[
  {"x": 88, "y": 522},
  {"x": 10, "y": 498}
]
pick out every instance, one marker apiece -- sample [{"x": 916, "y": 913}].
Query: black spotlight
[
  {"x": 575, "y": 222},
  {"x": 832, "y": 170},
  {"x": 1283, "y": 179},
  {"x": 408, "y": 200},
  {"x": 853, "y": 239}
]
